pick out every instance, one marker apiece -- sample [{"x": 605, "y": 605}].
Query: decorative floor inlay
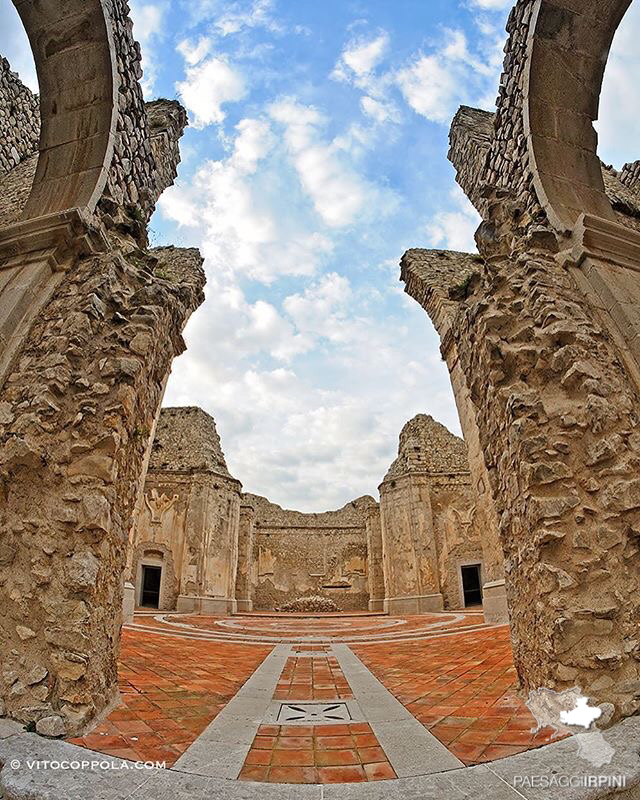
[
  {"x": 313, "y": 632},
  {"x": 312, "y": 713}
]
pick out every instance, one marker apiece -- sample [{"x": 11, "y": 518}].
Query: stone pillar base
[
  {"x": 128, "y": 602},
  {"x": 376, "y": 605},
  {"x": 494, "y": 603},
  {"x": 244, "y": 606},
  {"x": 419, "y": 604},
  {"x": 192, "y": 604}
]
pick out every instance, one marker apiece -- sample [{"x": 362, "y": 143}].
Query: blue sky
[{"x": 315, "y": 156}]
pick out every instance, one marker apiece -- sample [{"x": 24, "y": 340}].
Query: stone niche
[
  {"x": 431, "y": 531},
  {"x": 187, "y": 525}
]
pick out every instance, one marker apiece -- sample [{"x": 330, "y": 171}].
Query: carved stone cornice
[
  {"x": 603, "y": 240},
  {"x": 55, "y": 239}
]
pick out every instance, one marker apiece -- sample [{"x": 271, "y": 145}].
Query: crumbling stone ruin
[
  {"x": 541, "y": 335},
  {"x": 201, "y": 544},
  {"x": 428, "y": 518},
  {"x": 90, "y": 320},
  {"x": 540, "y": 331}
]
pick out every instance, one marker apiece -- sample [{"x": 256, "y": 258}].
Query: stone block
[
  {"x": 494, "y": 603},
  {"x": 128, "y": 602},
  {"x": 422, "y": 604}
]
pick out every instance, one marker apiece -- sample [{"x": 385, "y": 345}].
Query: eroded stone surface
[
  {"x": 542, "y": 349},
  {"x": 89, "y": 324}
]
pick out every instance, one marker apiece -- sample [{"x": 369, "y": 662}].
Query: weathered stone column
[
  {"x": 546, "y": 334},
  {"x": 374, "y": 558},
  {"x": 244, "y": 594},
  {"x": 89, "y": 324},
  {"x": 409, "y": 547},
  {"x": 76, "y": 412}
]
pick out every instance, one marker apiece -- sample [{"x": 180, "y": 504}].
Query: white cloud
[
  {"x": 360, "y": 57},
  {"x": 238, "y": 206},
  {"x": 207, "y": 87},
  {"x": 430, "y": 87},
  {"x": 149, "y": 26},
  {"x": 303, "y": 441},
  {"x": 239, "y": 16},
  {"x": 194, "y": 51},
  {"x": 454, "y": 229},
  {"x": 435, "y": 84},
  {"x": 378, "y": 110},
  {"x": 339, "y": 194}
]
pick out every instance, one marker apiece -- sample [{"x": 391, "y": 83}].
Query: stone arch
[
  {"x": 568, "y": 48},
  {"x": 73, "y": 49}
]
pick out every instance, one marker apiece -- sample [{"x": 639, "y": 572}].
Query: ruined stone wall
[
  {"x": 469, "y": 144},
  {"x": 560, "y": 434},
  {"x": 297, "y": 554},
  {"x": 434, "y": 278},
  {"x": 429, "y": 520},
  {"x": 131, "y": 173},
  {"x": 191, "y": 507},
  {"x": 19, "y": 119},
  {"x": 508, "y": 169},
  {"x": 457, "y": 533},
  {"x": 76, "y": 412},
  {"x": 412, "y": 581}
]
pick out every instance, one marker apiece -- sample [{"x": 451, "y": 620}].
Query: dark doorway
[
  {"x": 471, "y": 585},
  {"x": 151, "y": 586}
]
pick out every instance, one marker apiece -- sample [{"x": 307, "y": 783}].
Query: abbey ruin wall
[
  {"x": 188, "y": 520},
  {"x": 19, "y": 119},
  {"x": 90, "y": 320},
  {"x": 429, "y": 525},
  {"x": 222, "y": 550},
  {"x": 540, "y": 333},
  {"x": 297, "y": 554}
]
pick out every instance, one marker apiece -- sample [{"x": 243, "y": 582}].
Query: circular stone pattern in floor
[{"x": 260, "y": 628}]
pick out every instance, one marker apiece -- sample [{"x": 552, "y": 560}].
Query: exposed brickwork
[{"x": 19, "y": 119}]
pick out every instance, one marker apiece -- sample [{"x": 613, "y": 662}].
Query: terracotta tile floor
[
  {"x": 171, "y": 690},
  {"x": 316, "y": 754},
  {"x": 462, "y": 688},
  {"x": 317, "y": 678}
]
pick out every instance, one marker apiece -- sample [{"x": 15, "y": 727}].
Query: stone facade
[
  {"x": 196, "y": 523},
  {"x": 19, "y": 119},
  {"x": 296, "y": 554},
  {"x": 90, "y": 321},
  {"x": 428, "y": 518},
  {"x": 188, "y": 521},
  {"x": 541, "y": 335}
]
